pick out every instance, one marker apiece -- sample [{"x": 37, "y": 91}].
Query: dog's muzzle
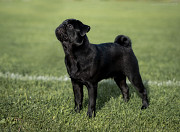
[{"x": 61, "y": 34}]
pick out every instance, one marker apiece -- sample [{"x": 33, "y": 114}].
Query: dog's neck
[
  {"x": 73, "y": 54},
  {"x": 84, "y": 47}
]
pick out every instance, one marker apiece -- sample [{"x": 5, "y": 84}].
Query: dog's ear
[{"x": 83, "y": 28}]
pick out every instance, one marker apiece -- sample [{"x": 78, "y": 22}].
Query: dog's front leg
[
  {"x": 78, "y": 95},
  {"x": 92, "y": 93}
]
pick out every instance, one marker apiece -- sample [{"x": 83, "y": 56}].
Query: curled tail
[{"x": 123, "y": 40}]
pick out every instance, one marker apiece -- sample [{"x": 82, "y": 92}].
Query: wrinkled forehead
[{"x": 73, "y": 22}]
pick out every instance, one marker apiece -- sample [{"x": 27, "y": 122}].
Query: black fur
[{"x": 87, "y": 64}]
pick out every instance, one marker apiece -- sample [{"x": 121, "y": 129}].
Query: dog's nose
[
  {"x": 57, "y": 29},
  {"x": 88, "y": 28}
]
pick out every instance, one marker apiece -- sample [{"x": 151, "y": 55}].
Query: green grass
[{"x": 28, "y": 46}]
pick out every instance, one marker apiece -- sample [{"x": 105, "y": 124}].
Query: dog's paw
[
  {"x": 144, "y": 106},
  {"x": 126, "y": 99},
  {"x": 77, "y": 108},
  {"x": 91, "y": 114}
]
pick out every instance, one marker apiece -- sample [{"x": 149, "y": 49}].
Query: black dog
[{"x": 87, "y": 63}]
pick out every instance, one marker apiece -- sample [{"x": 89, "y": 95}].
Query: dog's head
[{"x": 72, "y": 31}]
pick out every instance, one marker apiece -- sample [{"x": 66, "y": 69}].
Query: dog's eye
[{"x": 70, "y": 26}]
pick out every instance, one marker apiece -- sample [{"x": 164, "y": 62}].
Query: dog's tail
[{"x": 123, "y": 40}]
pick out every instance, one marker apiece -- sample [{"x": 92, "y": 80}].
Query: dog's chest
[{"x": 78, "y": 68}]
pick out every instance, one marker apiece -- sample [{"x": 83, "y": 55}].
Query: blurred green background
[
  {"x": 28, "y": 43},
  {"x": 28, "y": 46}
]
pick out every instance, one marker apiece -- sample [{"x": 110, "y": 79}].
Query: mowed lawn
[{"x": 28, "y": 47}]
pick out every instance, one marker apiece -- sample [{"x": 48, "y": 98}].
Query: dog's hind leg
[
  {"x": 78, "y": 95},
  {"x": 121, "y": 82},
  {"x": 136, "y": 80}
]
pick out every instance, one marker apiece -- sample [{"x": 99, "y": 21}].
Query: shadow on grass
[{"x": 108, "y": 89}]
